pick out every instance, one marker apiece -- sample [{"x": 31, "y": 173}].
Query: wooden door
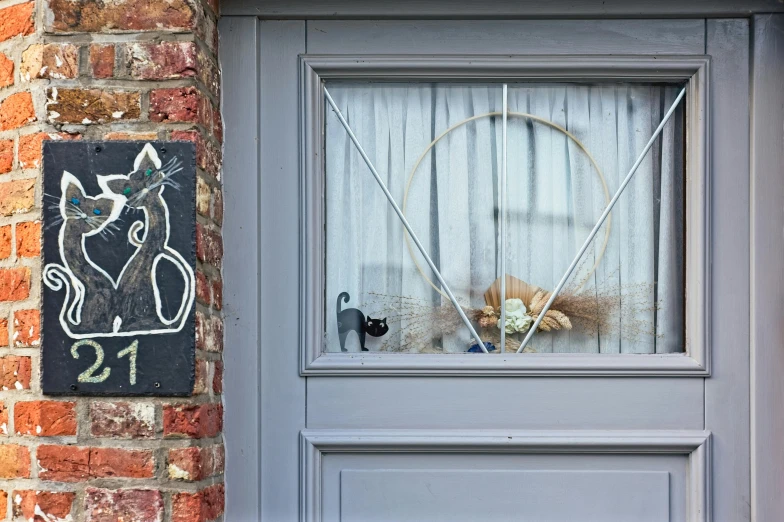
[{"x": 591, "y": 426}]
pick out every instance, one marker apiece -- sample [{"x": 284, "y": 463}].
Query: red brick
[
  {"x": 14, "y": 283},
  {"x": 17, "y": 196},
  {"x": 115, "y": 462},
  {"x": 217, "y": 126},
  {"x": 200, "y": 380},
  {"x": 75, "y": 464},
  {"x": 161, "y": 61},
  {"x": 14, "y": 459},
  {"x": 6, "y": 71},
  {"x": 209, "y": 246},
  {"x": 217, "y": 378},
  {"x": 3, "y": 502},
  {"x": 86, "y": 106},
  {"x": 3, "y": 421},
  {"x": 42, "y": 506},
  {"x": 185, "y": 464},
  {"x": 194, "y": 464},
  {"x": 207, "y": 154},
  {"x": 217, "y": 205},
  {"x": 15, "y": 372},
  {"x": 27, "y": 328},
  {"x": 202, "y": 288},
  {"x": 16, "y": 110},
  {"x": 208, "y": 73},
  {"x": 205, "y": 112},
  {"x": 6, "y": 156},
  {"x": 30, "y": 147},
  {"x": 102, "y": 60},
  {"x": 45, "y": 418},
  {"x": 192, "y": 420},
  {"x": 209, "y": 333},
  {"x": 215, "y": 5},
  {"x": 63, "y": 463},
  {"x": 55, "y": 61},
  {"x": 4, "y": 332},
  {"x": 28, "y": 239},
  {"x": 202, "y": 506},
  {"x": 131, "y": 136},
  {"x": 96, "y": 16},
  {"x": 124, "y": 505},
  {"x": 203, "y": 197},
  {"x": 175, "y": 105},
  {"x": 217, "y": 294},
  {"x": 16, "y": 20},
  {"x": 5, "y": 241},
  {"x": 122, "y": 420}
]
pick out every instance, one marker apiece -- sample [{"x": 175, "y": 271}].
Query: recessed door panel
[
  {"x": 459, "y": 495},
  {"x": 408, "y": 487}
]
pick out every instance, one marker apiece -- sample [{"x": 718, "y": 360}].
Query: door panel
[
  {"x": 457, "y": 495},
  {"x": 476, "y": 486}
]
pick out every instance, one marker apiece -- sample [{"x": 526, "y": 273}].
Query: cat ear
[
  {"x": 72, "y": 189},
  {"x": 147, "y": 159},
  {"x": 113, "y": 185},
  {"x": 384, "y": 320}
]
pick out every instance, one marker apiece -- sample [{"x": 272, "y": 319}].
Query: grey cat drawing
[{"x": 99, "y": 302}]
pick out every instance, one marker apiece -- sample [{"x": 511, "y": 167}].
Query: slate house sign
[{"x": 119, "y": 227}]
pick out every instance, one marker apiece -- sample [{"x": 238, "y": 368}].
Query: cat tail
[
  {"x": 188, "y": 294},
  {"x": 56, "y": 277},
  {"x": 345, "y": 297}
]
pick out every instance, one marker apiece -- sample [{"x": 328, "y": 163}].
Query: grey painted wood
[
  {"x": 282, "y": 389},
  {"x": 326, "y": 453},
  {"x": 472, "y": 9},
  {"x": 496, "y": 495},
  {"x": 451, "y": 403},
  {"x": 726, "y": 392},
  {"x": 767, "y": 268},
  {"x": 487, "y": 402},
  {"x": 674, "y": 466},
  {"x": 238, "y": 55},
  {"x": 507, "y": 37}
]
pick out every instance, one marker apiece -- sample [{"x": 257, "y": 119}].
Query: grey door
[{"x": 633, "y": 404}]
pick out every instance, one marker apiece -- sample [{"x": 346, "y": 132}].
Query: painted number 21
[{"x": 89, "y": 374}]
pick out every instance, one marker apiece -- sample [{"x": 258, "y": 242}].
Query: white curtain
[{"x": 554, "y": 197}]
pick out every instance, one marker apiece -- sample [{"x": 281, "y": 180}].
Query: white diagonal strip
[
  {"x": 404, "y": 221},
  {"x": 598, "y": 225}
]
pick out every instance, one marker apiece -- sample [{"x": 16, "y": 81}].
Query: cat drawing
[
  {"x": 81, "y": 216},
  {"x": 353, "y": 320},
  {"x": 139, "y": 303}
]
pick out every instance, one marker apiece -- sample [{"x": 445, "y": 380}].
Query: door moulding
[{"x": 694, "y": 444}]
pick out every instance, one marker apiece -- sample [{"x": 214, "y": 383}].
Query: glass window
[{"x": 438, "y": 148}]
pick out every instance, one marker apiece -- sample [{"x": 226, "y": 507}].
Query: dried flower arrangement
[{"x": 418, "y": 326}]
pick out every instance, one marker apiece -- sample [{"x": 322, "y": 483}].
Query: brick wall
[{"x": 108, "y": 69}]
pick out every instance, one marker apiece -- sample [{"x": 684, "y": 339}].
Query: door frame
[{"x": 243, "y": 397}]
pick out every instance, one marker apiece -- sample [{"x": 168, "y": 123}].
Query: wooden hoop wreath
[{"x": 516, "y": 115}]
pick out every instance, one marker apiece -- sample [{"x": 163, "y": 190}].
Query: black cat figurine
[{"x": 353, "y": 320}]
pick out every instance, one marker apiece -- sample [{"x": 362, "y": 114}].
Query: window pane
[{"x": 438, "y": 148}]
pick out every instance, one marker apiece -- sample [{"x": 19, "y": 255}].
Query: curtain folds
[{"x": 554, "y": 197}]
